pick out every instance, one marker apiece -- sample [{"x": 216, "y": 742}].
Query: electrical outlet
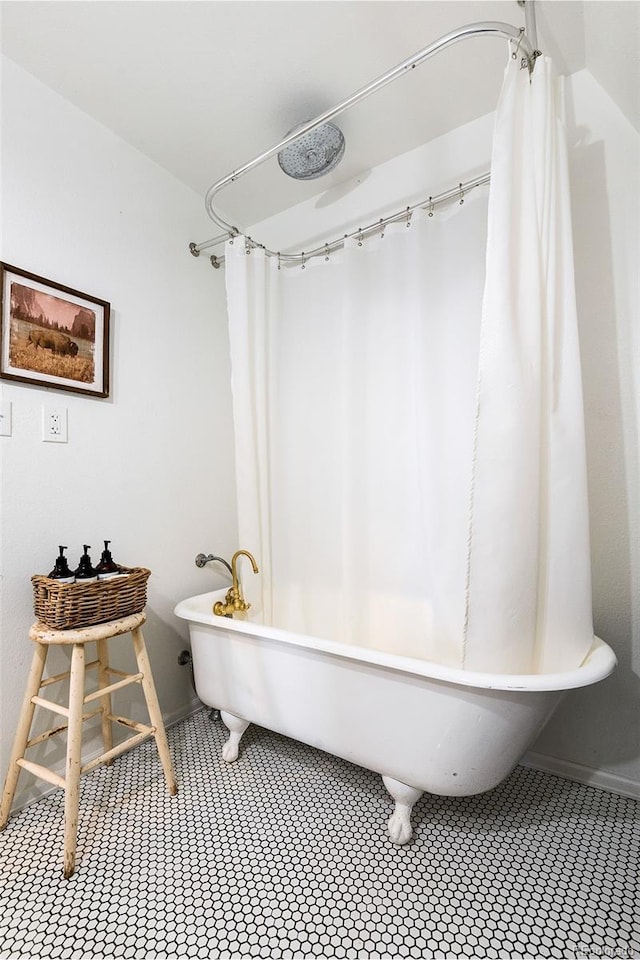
[{"x": 54, "y": 424}]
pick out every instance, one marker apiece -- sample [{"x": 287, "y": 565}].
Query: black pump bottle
[
  {"x": 61, "y": 571},
  {"x": 85, "y": 573},
  {"x": 107, "y": 569}
]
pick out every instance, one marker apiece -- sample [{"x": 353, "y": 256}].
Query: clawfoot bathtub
[{"x": 421, "y": 726}]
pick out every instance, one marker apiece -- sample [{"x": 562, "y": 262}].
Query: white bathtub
[{"x": 420, "y": 725}]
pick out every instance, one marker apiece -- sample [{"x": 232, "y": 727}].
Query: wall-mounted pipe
[
  {"x": 202, "y": 559},
  {"x": 530, "y": 27}
]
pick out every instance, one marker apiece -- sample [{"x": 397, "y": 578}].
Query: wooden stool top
[{"x": 41, "y": 633}]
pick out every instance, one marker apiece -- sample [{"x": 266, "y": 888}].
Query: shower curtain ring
[
  {"x": 326, "y": 251},
  {"x": 247, "y": 246},
  {"x": 381, "y": 228},
  {"x": 303, "y": 260},
  {"x": 409, "y": 215},
  {"x": 360, "y": 237},
  {"x": 461, "y": 195},
  {"x": 430, "y": 206},
  {"x": 279, "y": 264},
  {"x": 514, "y": 55}
]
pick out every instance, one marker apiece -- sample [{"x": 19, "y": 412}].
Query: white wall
[
  {"x": 595, "y": 736},
  {"x": 151, "y": 467}
]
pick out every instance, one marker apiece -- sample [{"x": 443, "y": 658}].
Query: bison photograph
[{"x": 52, "y": 335}]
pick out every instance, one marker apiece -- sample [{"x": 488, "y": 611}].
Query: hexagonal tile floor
[{"x": 285, "y": 854}]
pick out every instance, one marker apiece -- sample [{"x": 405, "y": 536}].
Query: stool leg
[
  {"x": 22, "y": 733},
  {"x": 154, "y": 709},
  {"x": 74, "y": 746},
  {"x": 103, "y": 679}
]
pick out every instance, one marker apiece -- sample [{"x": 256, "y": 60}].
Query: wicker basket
[{"x": 66, "y": 605}]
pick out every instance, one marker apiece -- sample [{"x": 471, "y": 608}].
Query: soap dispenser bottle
[
  {"x": 61, "y": 571},
  {"x": 85, "y": 573},
  {"x": 107, "y": 569}
]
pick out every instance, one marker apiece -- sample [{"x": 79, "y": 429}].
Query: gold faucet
[{"x": 234, "y": 602}]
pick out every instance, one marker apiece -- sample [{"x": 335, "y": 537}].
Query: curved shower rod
[{"x": 482, "y": 29}]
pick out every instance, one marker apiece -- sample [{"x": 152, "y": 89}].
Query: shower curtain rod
[
  {"x": 458, "y": 192},
  {"x": 483, "y": 28}
]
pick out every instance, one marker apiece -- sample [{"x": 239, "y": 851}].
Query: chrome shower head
[{"x": 314, "y": 154}]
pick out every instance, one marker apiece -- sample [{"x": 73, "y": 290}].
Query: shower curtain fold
[
  {"x": 529, "y": 586},
  {"x": 409, "y": 449}
]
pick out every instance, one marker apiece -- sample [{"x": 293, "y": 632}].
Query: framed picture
[{"x": 53, "y": 336}]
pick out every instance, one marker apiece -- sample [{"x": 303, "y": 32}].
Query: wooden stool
[{"x": 44, "y": 637}]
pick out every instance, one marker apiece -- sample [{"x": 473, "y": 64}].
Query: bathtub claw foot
[
  {"x": 236, "y": 727},
  {"x": 405, "y": 797}
]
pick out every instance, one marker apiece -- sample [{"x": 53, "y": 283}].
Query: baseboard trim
[
  {"x": 601, "y": 779},
  {"x": 170, "y": 719}
]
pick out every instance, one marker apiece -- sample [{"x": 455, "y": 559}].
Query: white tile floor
[{"x": 285, "y": 853}]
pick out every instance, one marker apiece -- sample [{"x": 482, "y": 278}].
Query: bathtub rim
[{"x": 598, "y": 664}]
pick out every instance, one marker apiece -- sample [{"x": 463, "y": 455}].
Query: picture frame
[{"x": 51, "y": 335}]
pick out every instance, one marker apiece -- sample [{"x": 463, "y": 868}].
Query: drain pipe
[{"x": 185, "y": 659}]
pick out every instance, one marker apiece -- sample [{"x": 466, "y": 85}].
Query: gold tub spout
[{"x": 234, "y": 602}]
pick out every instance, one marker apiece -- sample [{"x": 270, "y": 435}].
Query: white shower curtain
[{"x": 409, "y": 453}]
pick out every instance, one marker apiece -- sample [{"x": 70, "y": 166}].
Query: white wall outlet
[
  {"x": 5, "y": 418},
  {"x": 54, "y": 424}
]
